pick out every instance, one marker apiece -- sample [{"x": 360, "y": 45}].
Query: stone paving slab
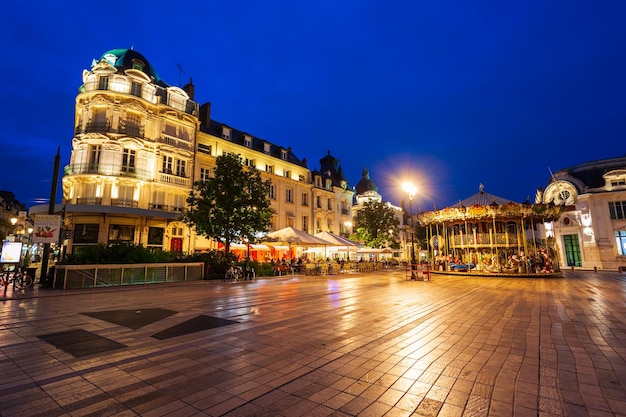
[{"x": 345, "y": 345}]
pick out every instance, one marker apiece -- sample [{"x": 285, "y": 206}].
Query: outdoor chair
[{"x": 310, "y": 269}]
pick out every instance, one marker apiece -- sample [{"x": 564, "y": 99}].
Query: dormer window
[
  {"x": 202, "y": 148},
  {"x": 138, "y": 65},
  {"x": 247, "y": 141},
  {"x": 318, "y": 182},
  {"x": 328, "y": 184},
  {"x": 225, "y": 132},
  {"x": 266, "y": 147},
  {"x": 616, "y": 178},
  {"x": 283, "y": 154}
]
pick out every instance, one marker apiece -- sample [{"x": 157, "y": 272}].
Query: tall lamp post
[
  {"x": 30, "y": 245},
  {"x": 13, "y": 223},
  {"x": 410, "y": 189}
]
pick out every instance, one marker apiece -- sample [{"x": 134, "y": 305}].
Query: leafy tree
[
  {"x": 376, "y": 225},
  {"x": 232, "y": 205}
]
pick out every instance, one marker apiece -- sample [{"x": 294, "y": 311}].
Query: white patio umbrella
[
  {"x": 290, "y": 235},
  {"x": 338, "y": 243},
  {"x": 293, "y": 237},
  {"x": 336, "y": 240}
]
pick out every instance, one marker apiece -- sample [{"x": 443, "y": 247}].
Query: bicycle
[
  {"x": 13, "y": 274},
  {"x": 233, "y": 273}
]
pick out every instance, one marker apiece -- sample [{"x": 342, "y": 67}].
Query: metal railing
[
  {"x": 68, "y": 277},
  {"x": 121, "y": 202},
  {"x": 484, "y": 239}
]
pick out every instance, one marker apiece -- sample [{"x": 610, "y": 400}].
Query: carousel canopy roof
[
  {"x": 483, "y": 198},
  {"x": 485, "y": 206}
]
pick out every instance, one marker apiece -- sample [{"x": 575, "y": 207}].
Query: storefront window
[
  {"x": 155, "y": 236},
  {"x": 86, "y": 233},
  {"x": 119, "y": 233}
]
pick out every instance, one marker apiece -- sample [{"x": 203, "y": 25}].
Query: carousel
[{"x": 486, "y": 234}]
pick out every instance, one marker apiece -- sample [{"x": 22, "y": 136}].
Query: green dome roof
[
  {"x": 365, "y": 184},
  {"x": 130, "y": 59}
]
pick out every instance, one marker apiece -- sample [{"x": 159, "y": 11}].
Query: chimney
[
  {"x": 205, "y": 114},
  {"x": 189, "y": 88}
]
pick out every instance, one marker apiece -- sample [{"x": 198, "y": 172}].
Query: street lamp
[
  {"x": 410, "y": 189},
  {"x": 13, "y": 223}
]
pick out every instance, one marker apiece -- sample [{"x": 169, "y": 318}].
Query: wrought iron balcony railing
[
  {"x": 93, "y": 127},
  {"x": 120, "y": 202},
  {"x": 92, "y": 201},
  {"x": 131, "y": 130}
]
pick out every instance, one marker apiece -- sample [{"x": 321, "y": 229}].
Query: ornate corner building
[
  {"x": 139, "y": 145},
  {"x": 591, "y": 231}
]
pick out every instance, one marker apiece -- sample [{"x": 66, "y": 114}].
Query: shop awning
[{"x": 259, "y": 247}]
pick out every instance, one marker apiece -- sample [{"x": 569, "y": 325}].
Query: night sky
[{"x": 447, "y": 94}]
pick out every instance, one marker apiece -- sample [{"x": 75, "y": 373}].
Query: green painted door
[{"x": 572, "y": 250}]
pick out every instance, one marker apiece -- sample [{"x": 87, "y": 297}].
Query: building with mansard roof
[
  {"x": 332, "y": 198},
  {"x": 139, "y": 144}
]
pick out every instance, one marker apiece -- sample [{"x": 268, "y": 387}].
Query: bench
[{"x": 281, "y": 269}]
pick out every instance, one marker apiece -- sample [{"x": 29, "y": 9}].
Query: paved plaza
[{"x": 369, "y": 344}]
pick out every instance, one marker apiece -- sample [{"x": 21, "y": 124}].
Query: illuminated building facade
[
  {"x": 291, "y": 188},
  {"x": 591, "y": 232},
  {"x": 332, "y": 199},
  {"x": 140, "y": 144},
  {"x": 132, "y": 158}
]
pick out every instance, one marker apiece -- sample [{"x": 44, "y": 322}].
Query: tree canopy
[
  {"x": 232, "y": 205},
  {"x": 376, "y": 225}
]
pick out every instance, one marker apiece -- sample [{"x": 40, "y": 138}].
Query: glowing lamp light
[{"x": 411, "y": 189}]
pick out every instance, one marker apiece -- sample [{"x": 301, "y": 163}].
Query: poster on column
[{"x": 47, "y": 228}]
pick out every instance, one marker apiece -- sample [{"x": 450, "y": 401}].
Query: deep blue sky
[{"x": 449, "y": 94}]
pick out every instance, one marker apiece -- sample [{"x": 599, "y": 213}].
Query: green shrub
[
  {"x": 264, "y": 269},
  {"x": 119, "y": 253}
]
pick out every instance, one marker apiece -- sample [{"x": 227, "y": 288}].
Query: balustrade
[
  {"x": 484, "y": 240},
  {"x": 107, "y": 169},
  {"x": 174, "y": 179}
]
